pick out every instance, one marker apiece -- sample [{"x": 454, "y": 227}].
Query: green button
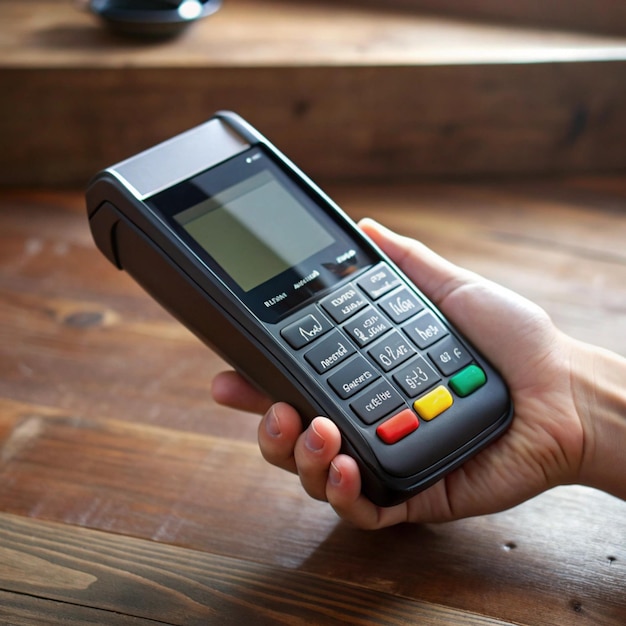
[{"x": 468, "y": 380}]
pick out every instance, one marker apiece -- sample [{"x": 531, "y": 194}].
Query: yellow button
[{"x": 433, "y": 403}]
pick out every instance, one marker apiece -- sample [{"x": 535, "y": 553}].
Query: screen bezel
[{"x": 277, "y": 297}]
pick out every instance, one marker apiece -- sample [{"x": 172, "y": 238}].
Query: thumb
[
  {"x": 499, "y": 322},
  {"x": 434, "y": 275}
]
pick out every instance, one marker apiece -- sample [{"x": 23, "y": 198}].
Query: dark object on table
[{"x": 152, "y": 18}]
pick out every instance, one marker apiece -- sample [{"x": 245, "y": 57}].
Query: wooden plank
[
  {"x": 273, "y": 33},
  {"x": 218, "y": 497},
  {"x": 365, "y": 94},
  {"x": 417, "y": 122},
  {"x": 88, "y": 439},
  {"x": 130, "y": 581},
  {"x": 605, "y": 16},
  {"x": 447, "y": 120},
  {"x": 19, "y": 609}
]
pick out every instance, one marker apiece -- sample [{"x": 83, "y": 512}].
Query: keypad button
[
  {"x": 416, "y": 377},
  {"x": 352, "y": 377},
  {"x": 449, "y": 356},
  {"x": 379, "y": 281},
  {"x": 306, "y": 329},
  {"x": 391, "y": 351},
  {"x": 434, "y": 403},
  {"x": 378, "y": 401},
  {"x": 368, "y": 326},
  {"x": 401, "y": 305},
  {"x": 468, "y": 380},
  {"x": 330, "y": 351},
  {"x": 344, "y": 303},
  {"x": 398, "y": 426},
  {"x": 425, "y": 330}
]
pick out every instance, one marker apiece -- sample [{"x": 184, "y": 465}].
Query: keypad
[
  {"x": 330, "y": 351},
  {"x": 434, "y": 403},
  {"x": 449, "y": 356},
  {"x": 398, "y": 427},
  {"x": 391, "y": 351},
  {"x": 306, "y": 330},
  {"x": 425, "y": 330},
  {"x": 344, "y": 303},
  {"x": 378, "y": 281},
  {"x": 385, "y": 354},
  {"x": 352, "y": 377},
  {"x": 401, "y": 305},
  {"x": 368, "y": 326},
  {"x": 416, "y": 377},
  {"x": 378, "y": 401},
  {"x": 468, "y": 380}
]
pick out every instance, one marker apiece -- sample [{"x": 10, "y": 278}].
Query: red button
[{"x": 398, "y": 426}]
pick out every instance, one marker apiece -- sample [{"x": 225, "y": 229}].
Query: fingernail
[
  {"x": 272, "y": 425},
  {"x": 313, "y": 440},
  {"x": 334, "y": 475}
]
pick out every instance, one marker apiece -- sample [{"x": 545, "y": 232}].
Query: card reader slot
[{"x": 103, "y": 224}]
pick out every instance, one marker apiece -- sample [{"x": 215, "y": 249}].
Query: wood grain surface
[
  {"x": 607, "y": 16},
  {"x": 346, "y": 91},
  {"x": 128, "y": 497}
]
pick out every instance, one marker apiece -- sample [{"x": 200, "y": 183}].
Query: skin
[{"x": 569, "y": 398}]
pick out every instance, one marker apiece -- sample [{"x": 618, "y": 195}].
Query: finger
[
  {"x": 496, "y": 320},
  {"x": 434, "y": 275},
  {"x": 314, "y": 451},
  {"x": 278, "y": 432},
  {"x": 231, "y": 389},
  {"x": 343, "y": 491}
]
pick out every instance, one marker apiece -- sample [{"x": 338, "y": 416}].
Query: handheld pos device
[{"x": 248, "y": 253}]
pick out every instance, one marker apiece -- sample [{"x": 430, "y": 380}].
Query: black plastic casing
[{"x": 136, "y": 239}]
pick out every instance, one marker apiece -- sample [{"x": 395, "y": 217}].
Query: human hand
[{"x": 543, "y": 448}]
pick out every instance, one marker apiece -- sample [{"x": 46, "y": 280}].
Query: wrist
[{"x": 599, "y": 389}]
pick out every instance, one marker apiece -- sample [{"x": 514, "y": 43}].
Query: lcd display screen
[{"x": 255, "y": 230}]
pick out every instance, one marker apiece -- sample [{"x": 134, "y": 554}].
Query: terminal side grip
[{"x": 179, "y": 295}]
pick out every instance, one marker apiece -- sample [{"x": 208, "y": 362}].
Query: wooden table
[{"x": 128, "y": 497}]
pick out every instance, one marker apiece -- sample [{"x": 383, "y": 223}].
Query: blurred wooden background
[
  {"x": 347, "y": 91},
  {"x": 126, "y": 495},
  {"x": 599, "y": 16}
]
